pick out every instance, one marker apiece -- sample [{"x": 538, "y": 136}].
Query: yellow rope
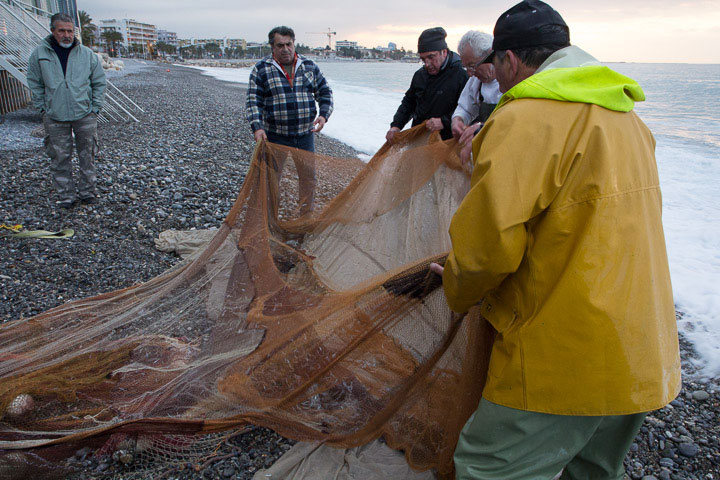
[{"x": 12, "y": 228}]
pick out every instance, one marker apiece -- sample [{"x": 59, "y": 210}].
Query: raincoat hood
[{"x": 573, "y": 75}]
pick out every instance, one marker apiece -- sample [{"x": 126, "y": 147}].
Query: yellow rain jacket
[{"x": 561, "y": 239}]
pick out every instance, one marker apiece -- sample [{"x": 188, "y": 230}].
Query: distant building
[
  {"x": 167, "y": 37},
  {"x": 392, "y": 46},
  {"x": 345, "y": 44},
  {"x": 220, "y": 42},
  {"x": 67, "y": 6},
  {"x": 235, "y": 42},
  {"x": 134, "y": 33},
  {"x": 205, "y": 41},
  {"x": 50, "y": 6}
]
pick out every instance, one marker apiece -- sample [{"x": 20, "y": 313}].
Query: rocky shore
[{"x": 181, "y": 167}]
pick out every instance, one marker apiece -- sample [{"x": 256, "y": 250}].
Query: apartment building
[
  {"x": 168, "y": 37},
  {"x": 220, "y": 42},
  {"x": 345, "y": 44},
  {"x": 134, "y": 33}
]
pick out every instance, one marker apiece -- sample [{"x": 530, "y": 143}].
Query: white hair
[{"x": 479, "y": 42}]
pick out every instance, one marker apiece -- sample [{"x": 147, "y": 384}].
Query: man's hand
[
  {"x": 466, "y": 154},
  {"x": 391, "y": 134},
  {"x": 434, "y": 124},
  {"x": 469, "y": 134},
  {"x": 437, "y": 268},
  {"x": 260, "y": 135},
  {"x": 319, "y": 123},
  {"x": 458, "y": 127}
]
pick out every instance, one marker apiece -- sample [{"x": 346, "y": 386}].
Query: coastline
[
  {"x": 182, "y": 168},
  {"x": 249, "y": 63}
]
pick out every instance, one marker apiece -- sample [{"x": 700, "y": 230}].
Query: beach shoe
[
  {"x": 89, "y": 200},
  {"x": 66, "y": 203}
]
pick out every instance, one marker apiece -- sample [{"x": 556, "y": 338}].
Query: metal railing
[{"x": 22, "y": 28}]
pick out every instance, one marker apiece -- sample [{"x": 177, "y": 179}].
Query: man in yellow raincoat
[{"x": 560, "y": 241}]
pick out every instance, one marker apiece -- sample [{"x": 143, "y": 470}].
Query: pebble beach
[{"x": 181, "y": 168}]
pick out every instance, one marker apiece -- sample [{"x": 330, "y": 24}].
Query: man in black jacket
[{"x": 435, "y": 88}]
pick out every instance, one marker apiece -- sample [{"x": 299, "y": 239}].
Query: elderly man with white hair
[{"x": 481, "y": 92}]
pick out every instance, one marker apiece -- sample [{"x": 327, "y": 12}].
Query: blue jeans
[
  {"x": 303, "y": 142},
  {"x": 304, "y": 164}
]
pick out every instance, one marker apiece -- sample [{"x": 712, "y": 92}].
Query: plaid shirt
[{"x": 276, "y": 106}]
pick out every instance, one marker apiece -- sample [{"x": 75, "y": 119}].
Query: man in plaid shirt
[
  {"x": 281, "y": 96},
  {"x": 282, "y": 92}
]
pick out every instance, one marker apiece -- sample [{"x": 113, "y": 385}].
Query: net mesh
[{"x": 320, "y": 322}]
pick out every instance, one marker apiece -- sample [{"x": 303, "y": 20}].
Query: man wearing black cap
[
  {"x": 435, "y": 88},
  {"x": 560, "y": 242}
]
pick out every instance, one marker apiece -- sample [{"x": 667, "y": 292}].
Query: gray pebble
[
  {"x": 688, "y": 449},
  {"x": 700, "y": 395}
]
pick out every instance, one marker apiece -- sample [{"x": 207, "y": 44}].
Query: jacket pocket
[
  {"x": 47, "y": 146},
  {"x": 498, "y": 313},
  {"x": 95, "y": 145}
]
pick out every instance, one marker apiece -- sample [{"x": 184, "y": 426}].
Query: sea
[{"x": 682, "y": 108}]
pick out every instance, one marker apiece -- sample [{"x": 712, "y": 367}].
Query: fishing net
[{"x": 320, "y": 322}]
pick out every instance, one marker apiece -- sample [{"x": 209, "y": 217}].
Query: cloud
[{"x": 628, "y": 30}]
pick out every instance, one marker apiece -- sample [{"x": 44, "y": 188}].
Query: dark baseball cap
[{"x": 530, "y": 23}]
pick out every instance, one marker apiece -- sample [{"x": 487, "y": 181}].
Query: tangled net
[{"x": 323, "y": 326}]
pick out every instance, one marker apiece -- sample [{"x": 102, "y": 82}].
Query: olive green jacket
[{"x": 69, "y": 97}]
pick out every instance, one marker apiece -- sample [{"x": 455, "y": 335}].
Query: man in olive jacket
[
  {"x": 560, "y": 242},
  {"x": 434, "y": 89},
  {"x": 67, "y": 83}
]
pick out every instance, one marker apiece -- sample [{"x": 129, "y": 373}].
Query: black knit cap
[
  {"x": 432, "y": 39},
  {"x": 526, "y": 25}
]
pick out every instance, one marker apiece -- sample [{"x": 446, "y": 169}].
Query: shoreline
[{"x": 182, "y": 168}]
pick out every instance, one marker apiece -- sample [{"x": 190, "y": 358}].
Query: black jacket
[{"x": 432, "y": 96}]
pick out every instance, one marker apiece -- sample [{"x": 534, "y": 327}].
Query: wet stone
[
  {"x": 700, "y": 395},
  {"x": 688, "y": 449}
]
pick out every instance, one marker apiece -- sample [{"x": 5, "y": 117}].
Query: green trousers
[{"x": 501, "y": 443}]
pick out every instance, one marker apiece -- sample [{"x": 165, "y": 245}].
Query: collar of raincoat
[{"x": 573, "y": 75}]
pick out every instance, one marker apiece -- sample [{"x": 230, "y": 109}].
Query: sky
[{"x": 612, "y": 30}]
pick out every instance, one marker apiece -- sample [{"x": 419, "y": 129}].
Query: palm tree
[
  {"x": 87, "y": 28},
  {"x": 112, "y": 37},
  {"x": 165, "y": 48}
]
